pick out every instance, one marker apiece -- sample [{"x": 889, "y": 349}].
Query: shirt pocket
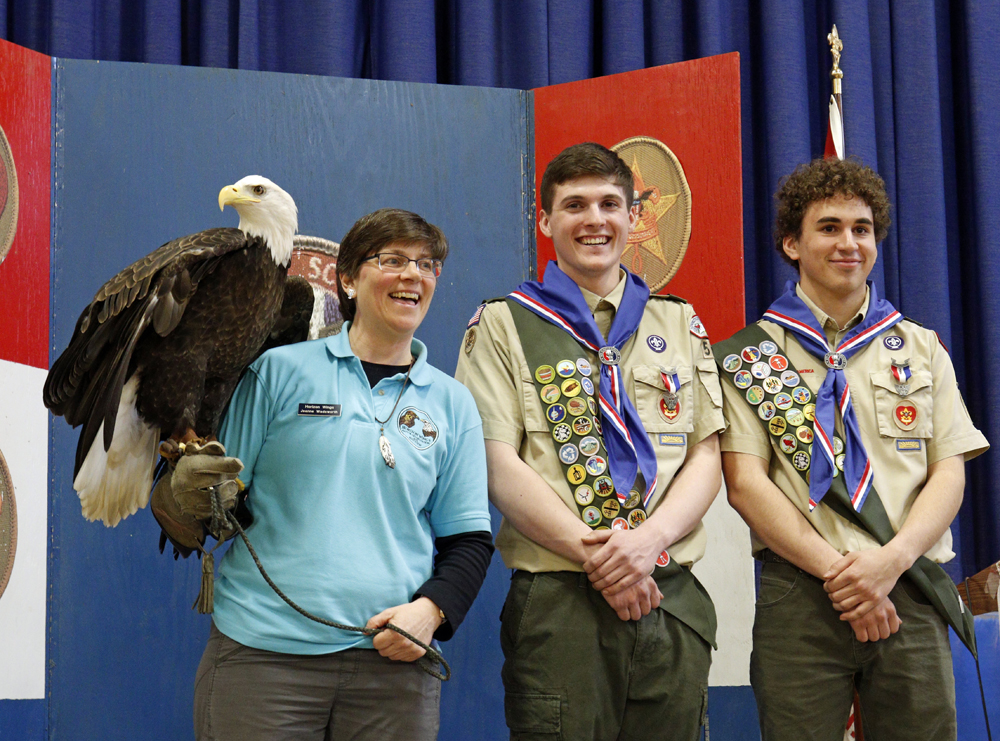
[
  {"x": 534, "y": 411},
  {"x": 904, "y": 416},
  {"x": 649, "y": 391}
]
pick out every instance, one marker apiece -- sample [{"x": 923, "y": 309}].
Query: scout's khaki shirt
[
  {"x": 899, "y": 456},
  {"x": 492, "y": 365}
]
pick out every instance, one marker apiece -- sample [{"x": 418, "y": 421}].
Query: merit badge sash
[
  {"x": 562, "y": 378},
  {"x": 785, "y": 408}
]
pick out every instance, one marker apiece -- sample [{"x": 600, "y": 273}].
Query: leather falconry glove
[{"x": 195, "y": 478}]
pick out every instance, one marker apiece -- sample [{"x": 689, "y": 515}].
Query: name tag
[
  {"x": 907, "y": 444},
  {"x": 319, "y": 410},
  {"x": 673, "y": 438}
]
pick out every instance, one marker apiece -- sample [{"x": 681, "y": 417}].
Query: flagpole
[{"x": 836, "y": 76}]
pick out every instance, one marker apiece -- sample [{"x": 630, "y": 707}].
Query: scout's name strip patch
[{"x": 319, "y": 410}]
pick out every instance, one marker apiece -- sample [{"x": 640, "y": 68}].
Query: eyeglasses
[{"x": 390, "y": 262}]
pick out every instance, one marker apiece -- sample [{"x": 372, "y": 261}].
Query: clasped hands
[
  {"x": 620, "y": 569},
  {"x": 858, "y": 585}
]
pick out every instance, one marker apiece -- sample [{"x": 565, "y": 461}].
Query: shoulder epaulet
[
  {"x": 668, "y": 297},
  {"x": 912, "y": 321},
  {"x": 479, "y": 311}
]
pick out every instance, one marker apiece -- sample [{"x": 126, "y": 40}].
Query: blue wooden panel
[
  {"x": 732, "y": 714},
  {"x": 141, "y": 152},
  {"x": 968, "y": 700},
  {"x": 23, "y": 720}
]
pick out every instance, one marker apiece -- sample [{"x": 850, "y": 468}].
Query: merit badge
[
  {"x": 750, "y": 354},
  {"x": 760, "y": 369},
  {"x": 795, "y": 417},
  {"x": 755, "y": 395},
  {"x": 901, "y": 374},
  {"x": 545, "y": 373},
  {"x": 636, "y": 517},
  {"x": 565, "y": 368},
  {"x": 576, "y": 474},
  {"x": 470, "y": 340},
  {"x": 905, "y": 415},
  {"x": 802, "y": 395},
  {"x": 742, "y": 379},
  {"x": 589, "y": 445},
  {"x": 788, "y": 443},
  {"x": 790, "y": 378},
  {"x": 697, "y": 328},
  {"x": 609, "y": 355},
  {"x": 810, "y": 411},
  {"x": 610, "y": 508},
  {"x": 772, "y": 385},
  {"x": 633, "y": 499},
  {"x": 596, "y": 465},
  {"x": 597, "y": 426},
  {"x": 892, "y": 342},
  {"x": 732, "y": 363},
  {"x": 591, "y": 515},
  {"x": 582, "y": 426},
  {"x": 663, "y": 559},
  {"x": 592, "y": 406},
  {"x": 583, "y": 365},
  {"x": 804, "y": 434},
  {"x": 588, "y": 386},
  {"x": 777, "y": 425},
  {"x": 571, "y": 387},
  {"x": 550, "y": 394},
  {"x": 800, "y": 460},
  {"x": 778, "y": 362},
  {"x": 568, "y": 454},
  {"x": 670, "y": 411},
  {"x": 768, "y": 348},
  {"x": 583, "y": 495},
  {"x": 838, "y": 445},
  {"x": 766, "y": 410},
  {"x": 556, "y": 413},
  {"x": 783, "y": 401},
  {"x": 604, "y": 487},
  {"x": 835, "y": 360},
  {"x": 656, "y": 343},
  {"x": 839, "y": 460},
  {"x": 562, "y": 432},
  {"x": 576, "y": 406},
  {"x": 619, "y": 523}
]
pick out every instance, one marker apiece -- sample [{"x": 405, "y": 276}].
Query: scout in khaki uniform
[
  {"x": 601, "y": 409},
  {"x": 845, "y": 454}
]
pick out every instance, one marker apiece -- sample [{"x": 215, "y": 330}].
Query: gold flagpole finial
[{"x": 836, "y": 47}]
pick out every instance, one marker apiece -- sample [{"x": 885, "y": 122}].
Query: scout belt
[{"x": 742, "y": 360}]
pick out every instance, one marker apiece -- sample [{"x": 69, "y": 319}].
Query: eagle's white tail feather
[{"x": 115, "y": 484}]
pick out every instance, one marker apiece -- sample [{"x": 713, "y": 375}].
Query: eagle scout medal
[
  {"x": 901, "y": 373},
  {"x": 571, "y": 387},
  {"x": 550, "y": 394},
  {"x": 670, "y": 411},
  {"x": 772, "y": 385},
  {"x": 576, "y": 474},
  {"x": 755, "y": 395},
  {"x": 619, "y": 523},
  {"x": 732, "y": 363},
  {"x": 583, "y": 365},
  {"x": 568, "y": 454},
  {"x": 588, "y": 386},
  {"x": 576, "y": 406},
  {"x": 610, "y": 508},
  {"x": 750, "y": 354},
  {"x": 835, "y": 360},
  {"x": 636, "y": 517},
  {"x": 583, "y": 495},
  {"x": 592, "y": 516},
  {"x": 562, "y": 432},
  {"x": 556, "y": 413},
  {"x": 582, "y": 426},
  {"x": 565, "y": 368},
  {"x": 790, "y": 378},
  {"x": 760, "y": 369},
  {"x": 905, "y": 415},
  {"x": 545, "y": 373},
  {"x": 778, "y": 362},
  {"x": 783, "y": 401},
  {"x": 742, "y": 379},
  {"x": 656, "y": 343},
  {"x": 596, "y": 465},
  {"x": 768, "y": 348},
  {"x": 609, "y": 355},
  {"x": 788, "y": 443},
  {"x": 589, "y": 445},
  {"x": 766, "y": 410},
  {"x": 671, "y": 383}
]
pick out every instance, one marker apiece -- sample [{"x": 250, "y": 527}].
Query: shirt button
[{"x": 381, "y": 392}]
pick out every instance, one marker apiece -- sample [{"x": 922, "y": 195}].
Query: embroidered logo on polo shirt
[{"x": 417, "y": 427}]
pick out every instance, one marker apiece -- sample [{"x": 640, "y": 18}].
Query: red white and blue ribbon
[
  {"x": 558, "y": 300},
  {"x": 791, "y": 312},
  {"x": 901, "y": 373}
]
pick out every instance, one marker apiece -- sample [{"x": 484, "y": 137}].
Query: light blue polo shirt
[{"x": 341, "y": 533}]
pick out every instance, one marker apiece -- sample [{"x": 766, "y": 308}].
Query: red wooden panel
[
  {"x": 693, "y": 108},
  {"x": 25, "y": 117}
]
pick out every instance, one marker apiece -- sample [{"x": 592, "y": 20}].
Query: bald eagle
[{"x": 159, "y": 350}]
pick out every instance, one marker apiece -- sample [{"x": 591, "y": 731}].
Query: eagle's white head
[{"x": 265, "y": 211}]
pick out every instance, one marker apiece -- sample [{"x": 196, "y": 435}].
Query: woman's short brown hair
[
  {"x": 822, "y": 179},
  {"x": 371, "y": 234}
]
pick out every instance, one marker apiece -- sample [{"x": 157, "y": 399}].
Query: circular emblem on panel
[
  {"x": 636, "y": 517},
  {"x": 656, "y": 343},
  {"x": 417, "y": 427},
  {"x": 582, "y": 425},
  {"x": 783, "y": 401},
  {"x": 788, "y": 443},
  {"x": 8, "y": 525},
  {"x": 766, "y": 410},
  {"x": 550, "y": 394},
  {"x": 556, "y": 413},
  {"x": 583, "y": 495},
  {"x": 633, "y": 499},
  {"x": 583, "y": 365},
  {"x": 670, "y": 412},
  {"x": 742, "y": 379},
  {"x": 545, "y": 373},
  {"x": 589, "y": 446},
  {"x": 800, "y": 460},
  {"x": 772, "y": 385},
  {"x": 804, "y": 434},
  {"x": 565, "y": 368},
  {"x": 778, "y": 362},
  {"x": 609, "y": 355},
  {"x": 802, "y": 395},
  {"x": 596, "y": 465},
  {"x": 568, "y": 453},
  {"x": 576, "y": 474},
  {"x": 610, "y": 508},
  {"x": 591, "y": 515},
  {"x": 571, "y": 387},
  {"x": 905, "y": 415},
  {"x": 777, "y": 425},
  {"x": 755, "y": 395},
  {"x": 657, "y": 244},
  {"x": 8, "y": 199},
  {"x": 750, "y": 354},
  {"x": 760, "y": 369},
  {"x": 604, "y": 487},
  {"x": 893, "y": 342},
  {"x": 619, "y": 523},
  {"x": 795, "y": 417},
  {"x": 732, "y": 363},
  {"x": 809, "y": 410},
  {"x": 767, "y": 347},
  {"x": 790, "y": 378},
  {"x": 562, "y": 432},
  {"x": 576, "y": 406},
  {"x": 588, "y": 386}
]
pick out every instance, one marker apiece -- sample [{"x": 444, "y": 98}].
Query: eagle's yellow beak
[{"x": 231, "y": 196}]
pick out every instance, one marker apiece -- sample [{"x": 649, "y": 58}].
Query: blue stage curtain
[{"x": 921, "y": 97}]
